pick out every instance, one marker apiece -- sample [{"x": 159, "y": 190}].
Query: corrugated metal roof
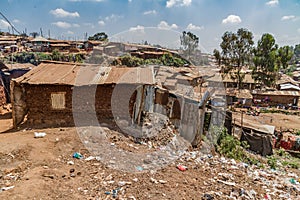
[
  {"x": 288, "y": 86},
  {"x": 85, "y": 74},
  {"x": 277, "y": 93},
  {"x": 20, "y": 66}
]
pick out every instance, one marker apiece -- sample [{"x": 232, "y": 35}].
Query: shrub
[{"x": 230, "y": 147}]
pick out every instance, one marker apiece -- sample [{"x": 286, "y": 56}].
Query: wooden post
[{"x": 242, "y": 120}]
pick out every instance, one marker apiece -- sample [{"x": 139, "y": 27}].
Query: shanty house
[
  {"x": 276, "y": 98},
  {"x": 40, "y": 44},
  {"x": 55, "y": 93}
]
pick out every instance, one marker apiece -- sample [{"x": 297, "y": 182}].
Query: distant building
[{"x": 40, "y": 44}]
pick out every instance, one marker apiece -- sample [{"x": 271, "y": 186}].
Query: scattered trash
[
  {"x": 51, "y": 176},
  {"x": 226, "y": 183},
  {"x": 135, "y": 180},
  {"x": 162, "y": 181},
  {"x": 123, "y": 183},
  {"x": 90, "y": 158},
  {"x": 153, "y": 180},
  {"x": 114, "y": 192},
  {"x": 207, "y": 197},
  {"x": 70, "y": 162},
  {"x": 293, "y": 181},
  {"x": 39, "y": 134},
  {"x": 139, "y": 168},
  {"x": 181, "y": 167},
  {"x": 77, "y": 155},
  {"x": 6, "y": 188}
]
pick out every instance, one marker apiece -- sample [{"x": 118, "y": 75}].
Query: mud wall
[
  {"x": 277, "y": 99},
  {"x": 92, "y": 104}
]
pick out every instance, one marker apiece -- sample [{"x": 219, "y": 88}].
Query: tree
[
  {"x": 189, "y": 42},
  {"x": 265, "y": 55},
  {"x": 34, "y": 34},
  {"x": 56, "y": 55},
  {"x": 99, "y": 36},
  {"x": 297, "y": 51},
  {"x": 217, "y": 56},
  {"x": 285, "y": 54},
  {"x": 236, "y": 51}
]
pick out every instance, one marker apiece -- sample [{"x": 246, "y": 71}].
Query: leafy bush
[
  {"x": 166, "y": 59},
  {"x": 230, "y": 147},
  {"x": 272, "y": 162}
]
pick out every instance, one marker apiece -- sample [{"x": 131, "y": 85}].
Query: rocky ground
[{"x": 45, "y": 168}]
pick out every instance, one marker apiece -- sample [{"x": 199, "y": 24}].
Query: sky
[{"x": 155, "y": 21}]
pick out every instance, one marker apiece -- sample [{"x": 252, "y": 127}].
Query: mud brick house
[
  {"x": 275, "y": 98},
  {"x": 55, "y": 94}
]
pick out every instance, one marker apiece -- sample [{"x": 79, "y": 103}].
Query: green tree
[
  {"x": 297, "y": 51},
  {"x": 56, "y": 55},
  {"x": 285, "y": 54},
  {"x": 99, "y": 36},
  {"x": 217, "y": 56},
  {"x": 34, "y": 34},
  {"x": 265, "y": 56},
  {"x": 189, "y": 42},
  {"x": 236, "y": 51}
]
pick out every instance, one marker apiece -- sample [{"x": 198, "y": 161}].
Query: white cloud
[
  {"x": 298, "y": 30},
  {"x": 62, "y": 24},
  {"x": 272, "y": 3},
  {"x": 165, "y": 25},
  {"x": 4, "y": 24},
  {"x": 89, "y": 25},
  {"x": 232, "y": 19},
  {"x": 101, "y": 23},
  {"x": 76, "y": 25},
  {"x": 113, "y": 17},
  {"x": 288, "y": 17},
  {"x": 178, "y": 3},
  {"x": 150, "y": 12},
  {"x": 59, "y": 12},
  {"x": 194, "y": 27},
  {"x": 138, "y": 28},
  {"x": 129, "y": 1}
]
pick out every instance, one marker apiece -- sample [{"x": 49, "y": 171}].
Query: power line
[{"x": 12, "y": 26}]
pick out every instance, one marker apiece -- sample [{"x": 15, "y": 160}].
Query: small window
[{"x": 58, "y": 100}]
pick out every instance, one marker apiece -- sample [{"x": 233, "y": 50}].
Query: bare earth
[{"x": 38, "y": 168}]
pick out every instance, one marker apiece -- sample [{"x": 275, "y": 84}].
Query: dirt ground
[
  {"x": 44, "y": 168},
  {"x": 275, "y": 119}
]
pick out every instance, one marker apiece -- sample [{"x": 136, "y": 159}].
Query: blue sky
[{"x": 208, "y": 19}]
